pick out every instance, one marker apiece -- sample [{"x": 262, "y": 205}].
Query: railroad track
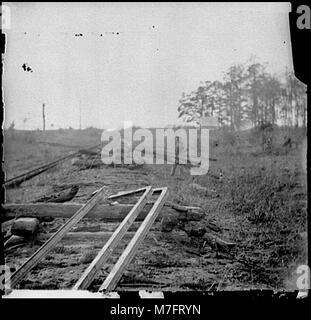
[
  {"x": 16, "y": 181},
  {"x": 126, "y": 257}
]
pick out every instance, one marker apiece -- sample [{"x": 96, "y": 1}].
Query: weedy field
[{"x": 254, "y": 196}]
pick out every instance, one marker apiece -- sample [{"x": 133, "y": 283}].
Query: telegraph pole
[
  {"x": 80, "y": 117},
  {"x": 43, "y": 115}
]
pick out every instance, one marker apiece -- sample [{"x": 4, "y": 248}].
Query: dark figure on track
[{"x": 178, "y": 149}]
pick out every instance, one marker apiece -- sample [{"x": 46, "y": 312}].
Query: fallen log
[
  {"x": 105, "y": 212},
  {"x": 105, "y": 235},
  {"x": 61, "y": 196},
  {"x": 85, "y": 235}
]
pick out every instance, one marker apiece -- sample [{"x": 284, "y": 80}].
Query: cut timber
[
  {"x": 128, "y": 254},
  {"x": 47, "y": 246},
  {"x": 90, "y": 273},
  {"x": 25, "y": 227},
  {"x": 125, "y": 193},
  {"x": 87, "y": 235},
  {"x": 122, "y": 193},
  {"x": 105, "y": 212},
  {"x": 102, "y": 236},
  {"x": 61, "y": 196}
]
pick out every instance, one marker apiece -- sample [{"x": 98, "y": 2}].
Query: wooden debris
[
  {"x": 178, "y": 235},
  {"x": 87, "y": 235},
  {"x": 128, "y": 254},
  {"x": 113, "y": 241},
  {"x": 197, "y": 232},
  {"x": 50, "y": 244},
  {"x": 191, "y": 215},
  {"x": 105, "y": 212},
  {"x": 60, "y": 197},
  {"x": 217, "y": 243}
]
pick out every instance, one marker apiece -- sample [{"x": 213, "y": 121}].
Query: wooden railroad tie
[{"x": 127, "y": 255}]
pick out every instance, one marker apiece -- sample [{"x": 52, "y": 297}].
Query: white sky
[{"x": 137, "y": 75}]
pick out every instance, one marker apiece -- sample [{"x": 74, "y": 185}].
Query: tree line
[{"x": 248, "y": 93}]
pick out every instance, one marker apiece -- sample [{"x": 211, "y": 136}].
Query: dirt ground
[{"x": 259, "y": 204}]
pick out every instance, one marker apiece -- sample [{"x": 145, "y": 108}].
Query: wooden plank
[
  {"x": 126, "y": 193},
  {"x": 105, "y": 212},
  {"x": 63, "y": 210},
  {"x": 128, "y": 254},
  {"x": 88, "y": 235},
  {"x": 123, "y": 193},
  {"x": 90, "y": 273},
  {"x": 47, "y": 246},
  {"x": 102, "y": 236}
]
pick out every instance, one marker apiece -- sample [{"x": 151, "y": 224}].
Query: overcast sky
[{"x": 148, "y": 54}]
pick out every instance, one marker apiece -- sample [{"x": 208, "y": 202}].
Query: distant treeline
[{"x": 248, "y": 93}]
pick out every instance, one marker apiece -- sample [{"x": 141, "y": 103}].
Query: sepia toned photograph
[{"x": 152, "y": 147}]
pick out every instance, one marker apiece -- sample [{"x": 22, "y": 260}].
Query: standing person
[{"x": 178, "y": 149}]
